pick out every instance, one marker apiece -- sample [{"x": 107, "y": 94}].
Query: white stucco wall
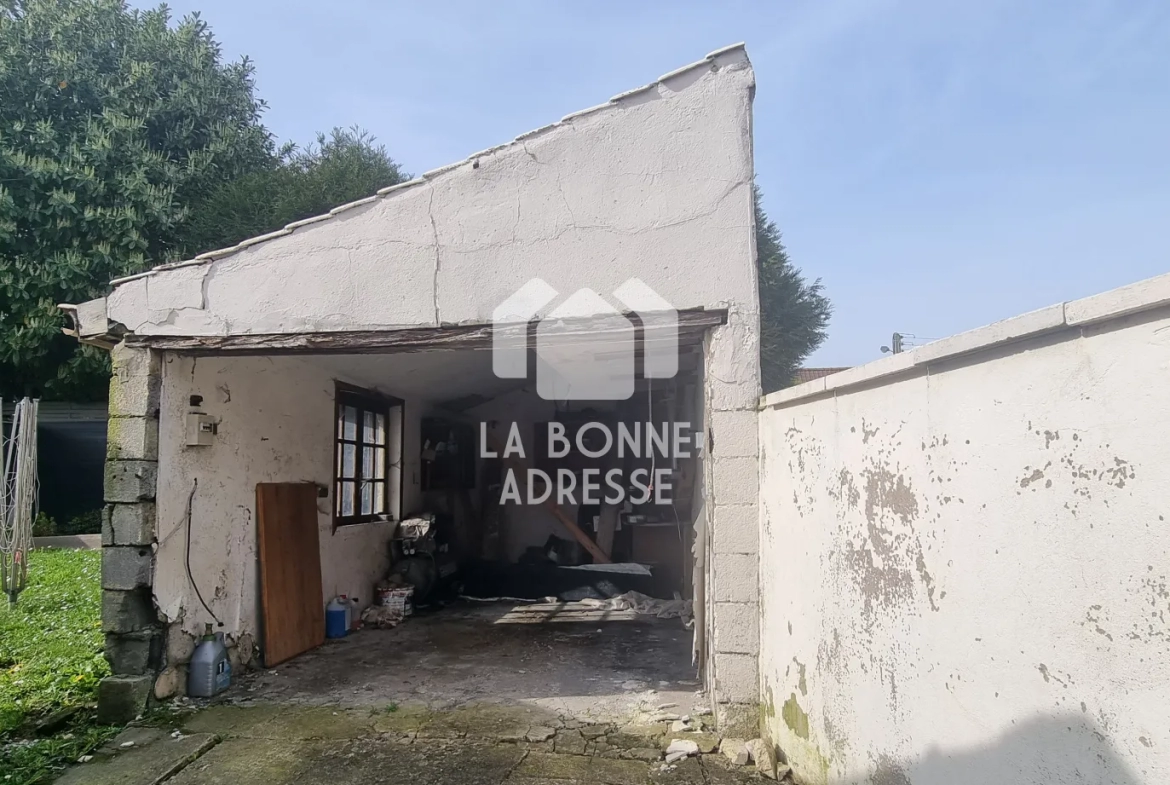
[
  {"x": 275, "y": 425},
  {"x": 964, "y": 563},
  {"x": 657, "y": 184}
]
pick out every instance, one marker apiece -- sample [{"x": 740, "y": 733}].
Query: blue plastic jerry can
[{"x": 336, "y": 618}]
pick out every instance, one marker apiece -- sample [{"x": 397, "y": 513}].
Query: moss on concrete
[
  {"x": 281, "y": 722},
  {"x": 479, "y": 744},
  {"x": 230, "y": 720},
  {"x": 488, "y": 721},
  {"x": 795, "y": 717},
  {"x": 542, "y": 765}
]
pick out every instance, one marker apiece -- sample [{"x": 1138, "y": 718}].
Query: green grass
[
  {"x": 40, "y": 761},
  {"x": 51, "y": 640},
  {"x": 50, "y": 659}
]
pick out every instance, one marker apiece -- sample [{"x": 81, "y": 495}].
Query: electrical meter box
[{"x": 200, "y": 429}]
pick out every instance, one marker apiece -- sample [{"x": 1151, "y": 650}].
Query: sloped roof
[
  {"x": 630, "y": 96},
  {"x": 809, "y": 374},
  {"x": 654, "y": 185}
]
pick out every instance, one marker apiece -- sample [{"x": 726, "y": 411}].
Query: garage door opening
[{"x": 550, "y": 545}]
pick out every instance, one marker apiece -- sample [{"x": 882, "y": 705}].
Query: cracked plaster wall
[
  {"x": 275, "y": 425},
  {"x": 965, "y": 566},
  {"x": 657, "y": 185}
]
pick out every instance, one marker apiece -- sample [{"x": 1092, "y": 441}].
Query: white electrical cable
[{"x": 18, "y": 497}]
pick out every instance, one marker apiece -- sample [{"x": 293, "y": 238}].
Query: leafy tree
[
  {"x": 112, "y": 123},
  {"x": 794, "y": 314},
  {"x": 344, "y": 166}
]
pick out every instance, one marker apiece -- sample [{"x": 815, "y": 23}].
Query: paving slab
[
  {"x": 231, "y": 720},
  {"x": 582, "y": 769},
  {"x": 491, "y": 721},
  {"x": 721, "y": 771},
  {"x": 147, "y": 763},
  {"x": 353, "y": 762},
  {"x": 469, "y": 745},
  {"x": 277, "y": 722},
  {"x": 688, "y": 771},
  {"x": 612, "y": 771},
  {"x": 249, "y": 761}
]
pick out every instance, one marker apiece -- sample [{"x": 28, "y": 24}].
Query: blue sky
[{"x": 939, "y": 165}]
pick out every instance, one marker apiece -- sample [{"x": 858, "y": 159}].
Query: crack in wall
[{"x": 435, "y": 235}]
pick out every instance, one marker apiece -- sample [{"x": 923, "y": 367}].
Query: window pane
[
  {"x": 380, "y": 463},
  {"x": 348, "y": 458},
  {"x": 379, "y": 497},
  {"x": 368, "y": 427},
  {"x": 379, "y": 429},
  {"x": 347, "y": 498},
  {"x": 368, "y": 463},
  {"x": 349, "y": 423},
  {"x": 367, "y": 498}
]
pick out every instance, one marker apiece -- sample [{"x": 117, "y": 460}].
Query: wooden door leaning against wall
[{"x": 290, "y": 569}]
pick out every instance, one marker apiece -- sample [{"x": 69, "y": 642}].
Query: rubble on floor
[
  {"x": 679, "y": 749},
  {"x": 490, "y": 580},
  {"x": 736, "y": 751},
  {"x": 647, "y": 606},
  {"x": 764, "y": 758},
  {"x": 382, "y": 617}
]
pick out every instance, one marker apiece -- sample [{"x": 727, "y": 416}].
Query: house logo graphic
[{"x": 585, "y": 348}]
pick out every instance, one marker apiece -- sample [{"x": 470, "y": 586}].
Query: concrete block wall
[
  {"x": 733, "y": 617},
  {"x": 134, "y": 633}
]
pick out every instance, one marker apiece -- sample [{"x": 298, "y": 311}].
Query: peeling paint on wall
[
  {"x": 1152, "y": 595},
  {"x": 964, "y": 569},
  {"x": 794, "y": 717},
  {"x": 276, "y": 427},
  {"x": 886, "y": 561}
]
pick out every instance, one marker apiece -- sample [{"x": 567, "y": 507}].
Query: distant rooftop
[{"x": 809, "y": 374}]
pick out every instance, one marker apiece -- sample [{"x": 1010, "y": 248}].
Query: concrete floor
[
  {"x": 489, "y": 694},
  {"x": 575, "y": 662},
  {"x": 305, "y": 745}
]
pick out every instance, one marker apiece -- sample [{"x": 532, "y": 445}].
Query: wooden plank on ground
[
  {"x": 290, "y": 569},
  {"x": 566, "y": 612}
]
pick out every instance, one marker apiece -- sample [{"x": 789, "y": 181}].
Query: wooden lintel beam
[{"x": 691, "y": 326}]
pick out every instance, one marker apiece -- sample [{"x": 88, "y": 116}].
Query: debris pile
[
  {"x": 382, "y": 617},
  {"x": 645, "y": 605},
  {"x": 679, "y": 749},
  {"x": 736, "y": 751}
]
